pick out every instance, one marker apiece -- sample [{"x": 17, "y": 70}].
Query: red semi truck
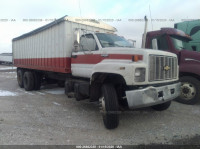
[
  {"x": 97, "y": 64},
  {"x": 173, "y": 40}
]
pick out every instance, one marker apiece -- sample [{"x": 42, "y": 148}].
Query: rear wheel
[
  {"x": 109, "y": 106},
  {"x": 162, "y": 107},
  {"x": 37, "y": 79},
  {"x": 190, "y": 88},
  {"x": 28, "y": 81},
  {"x": 20, "y": 74}
]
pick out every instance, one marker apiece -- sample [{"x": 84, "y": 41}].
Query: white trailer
[{"x": 6, "y": 58}]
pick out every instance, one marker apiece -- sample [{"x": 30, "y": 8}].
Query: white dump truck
[{"x": 96, "y": 64}]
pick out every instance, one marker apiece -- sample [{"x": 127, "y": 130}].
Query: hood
[{"x": 139, "y": 51}]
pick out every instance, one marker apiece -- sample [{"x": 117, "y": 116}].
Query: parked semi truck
[
  {"x": 191, "y": 28},
  {"x": 175, "y": 41},
  {"x": 98, "y": 65}
]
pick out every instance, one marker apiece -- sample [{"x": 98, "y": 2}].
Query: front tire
[
  {"x": 190, "y": 88},
  {"x": 109, "y": 106},
  {"x": 162, "y": 107}
]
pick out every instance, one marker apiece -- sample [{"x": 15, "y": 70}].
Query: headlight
[{"x": 140, "y": 74}]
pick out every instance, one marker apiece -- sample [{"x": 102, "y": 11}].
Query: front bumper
[{"x": 152, "y": 95}]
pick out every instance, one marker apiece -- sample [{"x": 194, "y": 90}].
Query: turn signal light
[{"x": 135, "y": 58}]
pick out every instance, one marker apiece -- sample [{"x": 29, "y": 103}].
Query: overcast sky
[{"x": 125, "y": 15}]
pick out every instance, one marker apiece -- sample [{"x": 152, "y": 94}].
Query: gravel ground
[{"x": 48, "y": 117}]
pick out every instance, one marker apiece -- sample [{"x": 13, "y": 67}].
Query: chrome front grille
[{"x": 162, "y": 68}]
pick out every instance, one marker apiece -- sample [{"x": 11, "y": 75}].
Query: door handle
[{"x": 104, "y": 55}]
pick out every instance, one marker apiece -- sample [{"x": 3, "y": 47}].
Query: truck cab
[
  {"x": 173, "y": 40},
  {"x": 120, "y": 75},
  {"x": 191, "y": 28}
]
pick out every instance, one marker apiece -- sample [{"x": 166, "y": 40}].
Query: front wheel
[
  {"x": 190, "y": 88},
  {"x": 162, "y": 107},
  {"x": 109, "y": 106}
]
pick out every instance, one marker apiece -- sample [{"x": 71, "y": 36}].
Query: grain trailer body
[{"x": 49, "y": 48}]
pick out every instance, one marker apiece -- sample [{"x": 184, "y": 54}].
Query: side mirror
[
  {"x": 155, "y": 44},
  {"x": 76, "y": 46}
]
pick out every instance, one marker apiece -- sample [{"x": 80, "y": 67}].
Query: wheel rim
[
  {"x": 188, "y": 91},
  {"x": 102, "y": 105}
]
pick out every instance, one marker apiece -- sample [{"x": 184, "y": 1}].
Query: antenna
[{"x": 150, "y": 17}]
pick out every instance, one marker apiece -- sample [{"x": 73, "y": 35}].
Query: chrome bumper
[{"x": 152, "y": 95}]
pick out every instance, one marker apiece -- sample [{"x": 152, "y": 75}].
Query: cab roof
[{"x": 171, "y": 31}]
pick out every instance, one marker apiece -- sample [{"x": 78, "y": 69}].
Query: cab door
[{"x": 87, "y": 55}]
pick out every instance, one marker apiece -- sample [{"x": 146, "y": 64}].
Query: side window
[
  {"x": 88, "y": 43},
  {"x": 194, "y": 46},
  {"x": 162, "y": 43}
]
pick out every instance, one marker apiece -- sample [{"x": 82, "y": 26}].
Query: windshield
[
  {"x": 110, "y": 40},
  {"x": 178, "y": 43}
]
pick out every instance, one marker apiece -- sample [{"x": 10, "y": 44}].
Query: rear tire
[
  {"x": 37, "y": 79},
  {"x": 28, "y": 81},
  {"x": 20, "y": 81},
  {"x": 190, "y": 90},
  {"x": 109, "y": 106},
  {"x": 162, "y": 107}
]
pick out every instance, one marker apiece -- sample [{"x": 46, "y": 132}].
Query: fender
[
  {"x": 119, "y": 67},
  {"x": 192, "y": 72},
  {"x": 190, "y": 66}
]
